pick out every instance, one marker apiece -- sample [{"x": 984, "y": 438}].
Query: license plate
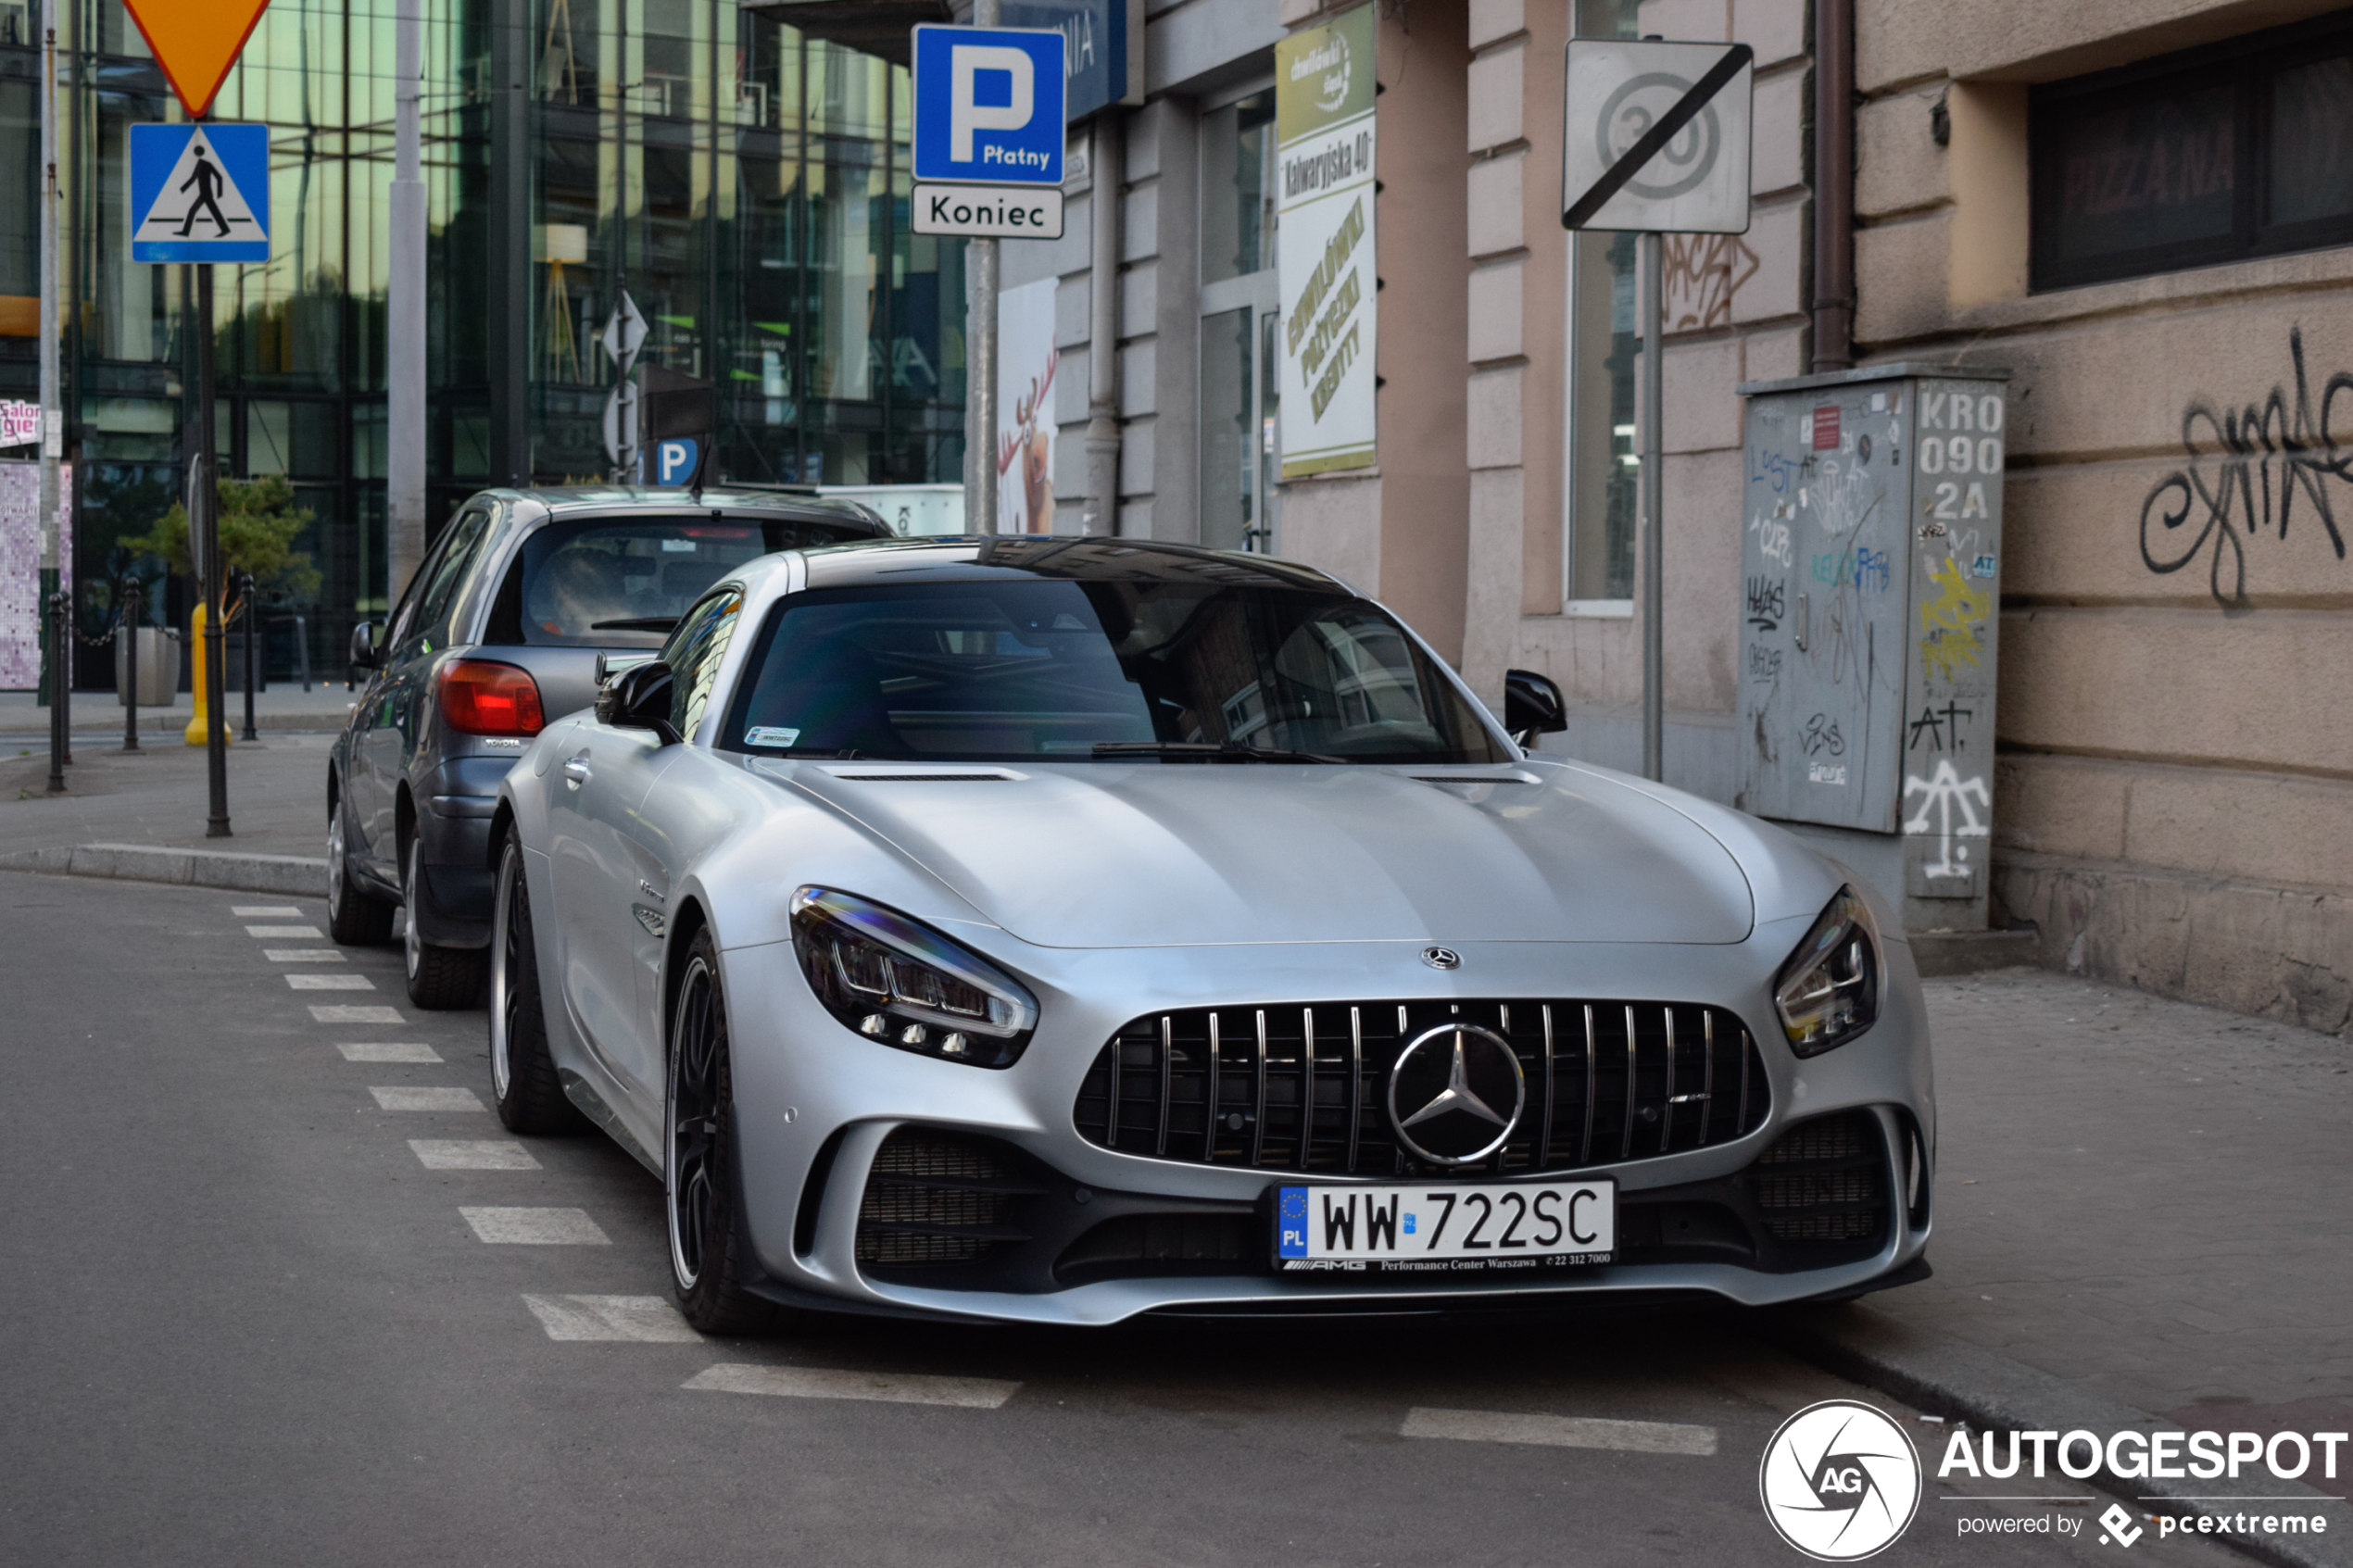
[{"x": 1407, "y": 1228}]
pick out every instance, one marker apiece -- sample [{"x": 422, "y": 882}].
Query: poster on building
[
  {"x": 21, "y": 618},
  {"x": 1324, "y": 247},
  {"x": 1025, "y": 358}
]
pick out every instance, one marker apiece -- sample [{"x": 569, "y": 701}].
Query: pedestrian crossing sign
[{"x": 199, "y": 193}]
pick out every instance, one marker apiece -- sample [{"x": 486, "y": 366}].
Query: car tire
[
  {"x": 440, "y": 978},
  {"x": 524, "y": 1084},
  {"x": 700, "y": 1188},
  {"x": 355, "y": 918}
]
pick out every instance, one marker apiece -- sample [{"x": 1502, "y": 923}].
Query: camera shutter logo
[{"x": 1841, "y": 1481}]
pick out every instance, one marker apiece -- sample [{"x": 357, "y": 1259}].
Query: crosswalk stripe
[
  {"x": 329, "y": 981},
  {"x": 473, "y": 1154},
  {"x": 425, "y": 1099},
  {"x": 265, "y": 911},
  {"x": 349, "y": 1013},
  {"x": 389, "y": 1050},
  {"x": 1559, "y": 1431},
  {"x": 831, "y": 1383},
  {"x": 305, "y": 933},
  {"x": 644, "y": 1320},
  {"x": 537, "y": 1227},
  {"x": 302, "y": 955}
]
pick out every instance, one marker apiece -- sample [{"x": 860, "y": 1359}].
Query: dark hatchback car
[{"x": 524, "y": 603}]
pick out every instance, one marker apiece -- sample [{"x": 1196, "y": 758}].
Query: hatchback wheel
[
  {"x": 439, "y": 978},
  {"x": 355, "y": 918},
  {"x": 706, "y": 1261}
]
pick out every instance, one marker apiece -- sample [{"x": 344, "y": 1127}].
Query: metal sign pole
[
  {"x": 55, "y": 567},
  {"x": 208, "y": 589},
  {"x": 1654, "y": 291},
  {"x": 404, "y": 318},
  {"x": 980, "y": 364}
]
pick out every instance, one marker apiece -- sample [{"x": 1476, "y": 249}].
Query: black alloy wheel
[
  {"x": 523, "y": 1083},
  {"x": 700, "y": 1188},
  {"x": 440, "y": 978},
  {"x": 354, "y": 918}
]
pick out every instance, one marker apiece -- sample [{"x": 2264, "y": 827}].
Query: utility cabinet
[{"x": 1870, "y": 584}]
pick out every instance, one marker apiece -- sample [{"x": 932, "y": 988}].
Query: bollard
[
  {"x": 131, "y": 665},
  {"x": 195, "y": 732},
  {"x": 58, "y": 603},
  {"x": 246, "y": 607}
]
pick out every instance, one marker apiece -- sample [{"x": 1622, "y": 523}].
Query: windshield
[
  {"x": 622, "y": 583},
  {"x": 1052, "y": 671}
]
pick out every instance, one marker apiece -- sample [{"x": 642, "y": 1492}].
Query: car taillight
[{"x": 479, "y": 697}]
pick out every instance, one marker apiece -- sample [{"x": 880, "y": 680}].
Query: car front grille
[
  {"x": 1824, "y": 1180},
  {"x": 934, "y": 1198},
  {"x": 1304, "y": 1088}
]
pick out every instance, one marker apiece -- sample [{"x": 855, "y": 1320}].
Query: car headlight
[
  {"x": 1827, "y": 992},
  {"x": 904, "y": 985}
]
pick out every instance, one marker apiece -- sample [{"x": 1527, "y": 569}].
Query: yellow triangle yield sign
[{"x": 195, "y": 42}]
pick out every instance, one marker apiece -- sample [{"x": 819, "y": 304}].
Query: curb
[
  {"x": 1948, "y": 1377},
  {"x": 301, "y": 876}
]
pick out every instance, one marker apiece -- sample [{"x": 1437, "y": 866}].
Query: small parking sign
[{"x": 988, "y": 104}]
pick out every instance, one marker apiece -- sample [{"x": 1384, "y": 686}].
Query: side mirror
[
  {"x": 363, "y": 646},
  {"x": 1532, "y": 707},
  {"x": 638, "y": 698}
]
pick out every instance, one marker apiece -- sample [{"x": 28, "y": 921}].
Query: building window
[
  {"x": 1240, "y": 392},
  {"x": 1605, "y": 352},
  {"x": 2206, "y": 157}
]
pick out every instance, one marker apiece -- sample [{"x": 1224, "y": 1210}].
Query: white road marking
[
  {"x": 346, "y": 1012},
  {"x": 426, "y": 1099},
  {"x": 537, "y": 1227},
  {"x": 470, "y": 1154},
  {"x": 389, "y": 1050},
  {"x": 330, "y": 983},
  {"x": 265, "y": 911},
  {"x": 302, "y": 955},
  {"x": 831, "y": 1383},
  {"x": 1559, "y": 1431},
  {"x": 300, "y": 932},
  {"x": 643, "y": 1319}
]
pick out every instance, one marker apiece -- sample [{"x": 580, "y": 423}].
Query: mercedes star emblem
[
  {"x": 1442, "y": 958},
  {"x": 1467, "y": 1090}
]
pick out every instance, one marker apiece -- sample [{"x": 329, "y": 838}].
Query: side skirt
[{"x": 584, "y": 1093}]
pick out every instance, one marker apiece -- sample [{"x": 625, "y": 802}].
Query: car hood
[{"x": 1108, "y": 855}]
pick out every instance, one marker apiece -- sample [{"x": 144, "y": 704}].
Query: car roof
[
  {"x": 981, "y": 557},
  {"x": 565, "y": 499}
]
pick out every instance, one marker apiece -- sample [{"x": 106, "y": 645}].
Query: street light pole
[
  {"x": 53, "y": 431},
  {"x": 405, "y": 316},
  {"x": 981, "y": 362},
  {"x": 206, "y": 519},
  {"x": 1653, "y": 248}
]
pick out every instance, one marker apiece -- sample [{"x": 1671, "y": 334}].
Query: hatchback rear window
[{"x": 622, "y": 583}]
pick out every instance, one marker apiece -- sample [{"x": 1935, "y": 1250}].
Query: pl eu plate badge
[{"x": 1291, "y": 1223}]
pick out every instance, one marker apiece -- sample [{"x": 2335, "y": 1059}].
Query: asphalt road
[{"x": 250, "y": 1323}]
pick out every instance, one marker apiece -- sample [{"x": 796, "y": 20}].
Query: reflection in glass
[
  {"x": 2312, "y": 140},
  {"x": 1228, "y": 453},
  {"x": 1237, "y": 188}
]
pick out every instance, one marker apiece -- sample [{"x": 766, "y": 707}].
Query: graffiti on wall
[
  {"x": 1703, "y": 273},
  {"x": 2247, "y": 470},
  {"x": 1947, "y": 636},
  {"x": 1952, "y": 802}
]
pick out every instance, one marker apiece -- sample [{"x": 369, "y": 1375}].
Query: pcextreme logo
[{"x": 1840, "y": 1481}]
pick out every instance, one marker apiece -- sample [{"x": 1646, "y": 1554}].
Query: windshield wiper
[
  {"x": 637, "y": 623},
  {"x": 1207, "y": 751}
]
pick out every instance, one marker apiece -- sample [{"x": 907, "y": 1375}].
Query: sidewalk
[
  {"x": 284, "y": 706},
  {"x": 157, "y": 795}
]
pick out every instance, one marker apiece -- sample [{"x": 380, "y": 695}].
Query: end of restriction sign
[{"x": 1001, "y": 212}]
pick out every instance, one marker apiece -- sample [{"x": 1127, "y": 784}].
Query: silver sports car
[{"x": 1063, "y": 929}]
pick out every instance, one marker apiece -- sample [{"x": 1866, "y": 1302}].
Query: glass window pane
[
  {"x": 1237, "y": 188},
  {"x": 2312, "y": 151},
  {"x": 1605, "y": 358},
  {"x": 2131, "y": 178},
  {"x": 1227, "y": 449}
]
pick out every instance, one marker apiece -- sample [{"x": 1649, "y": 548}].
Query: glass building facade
[{"x": 744, "y": 184}]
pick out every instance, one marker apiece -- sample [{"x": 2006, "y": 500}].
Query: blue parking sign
[
  {"x": 199, "y": 193},
  {"x": 675, "y": 461},
  {"x": 988, "y": 104}
]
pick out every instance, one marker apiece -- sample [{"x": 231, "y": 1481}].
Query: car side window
[
  {"x": 694, "y": 652},
  {"x": 426, "y": 625}
]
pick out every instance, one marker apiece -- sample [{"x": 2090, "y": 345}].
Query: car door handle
[{"x": 576, "y": 772}]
